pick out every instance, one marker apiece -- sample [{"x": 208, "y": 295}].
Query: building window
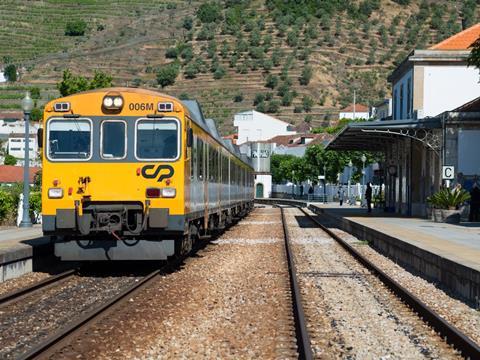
[
  {"x": 401, "y": 101},
  {"x": 395, "y": 104},
  {"x": 409, "y": 98}
]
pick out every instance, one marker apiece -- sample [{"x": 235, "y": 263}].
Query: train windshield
[
  {"x": 69, "y": 139},
  {"x": 157, "y": 139}
]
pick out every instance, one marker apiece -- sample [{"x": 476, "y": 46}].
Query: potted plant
[{"x": 446, "y": 203}]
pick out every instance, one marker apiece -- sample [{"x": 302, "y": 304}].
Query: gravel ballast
[
  {"x": 350, "y": 313},
  {"x": 231, "y": 300}
]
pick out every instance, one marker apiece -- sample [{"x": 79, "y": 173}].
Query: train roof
[{"x": 210, "y": 127}]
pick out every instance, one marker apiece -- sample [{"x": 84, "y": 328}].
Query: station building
[{"x": 436, "y": 123}]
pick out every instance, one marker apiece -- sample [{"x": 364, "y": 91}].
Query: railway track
[
  {"x": 40, "y": 285},
  {"x": 303, "y": 341},
  {"x": 452, "y": 335}
]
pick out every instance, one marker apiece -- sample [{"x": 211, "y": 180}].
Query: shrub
[
  {"x": 233, "y": 61},
  {"x": 259, "y": 97},
  {"x": 292, "y": 39},
  {"x": 10, "y": 73},
  {"x": 273, "y": 106},
  {"x": 306, "y": 75},
  {"x": 10, "y": 160},
  {"x": 448, "y": 199},
  {"x": 308, "y": 119},
  {"x": 191, "y": 71},
  {"x": 171, "y": 53},
  {"x": 287, "y": 98},
  {"x": 283, "y": 89},
  {"x": 184, "y": 96},
  {"x": 238, "y": 97},
  {"x": 219, "y": 72},
  {"x": 167, "y": 74},
  {"x": 36, "y": 114},
  {"x": 35, "y": 92},
  {"x": 297, "y": 109},
  {"x": 271, "y": 81},
  {"x": 261, "y": 107},
  {"x": 187, "y": 23},
  {"x": 256, "y": 53},
  {"x": 307, "y": 103},
  {"x": 267, "y": 65},
  {"x": 75, "y": 28}
]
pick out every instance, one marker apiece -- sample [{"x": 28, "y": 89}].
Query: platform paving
[
  {"x": 448, "y": 254},
  {"x": 457, "y": 242},
  {"x": 19, "y": 247}
]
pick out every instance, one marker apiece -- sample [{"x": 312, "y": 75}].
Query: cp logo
[{"x": 147, "y": 174}]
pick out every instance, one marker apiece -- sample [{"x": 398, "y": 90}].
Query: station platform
[
  {"x": 19, "y": 247},
  {"x": 448, "y": 254}
]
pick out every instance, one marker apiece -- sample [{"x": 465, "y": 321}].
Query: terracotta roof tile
[
  {"x": 11, "y": 174},
  {"x": 460, "y": 41},
  {"x": 358, "y": 108},
  {"x": 294, "y": 140}
]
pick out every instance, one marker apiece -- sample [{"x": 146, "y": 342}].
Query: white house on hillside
[
  {"x": 429, "y": 82},
  {"x": 256, "y": 126},
  {"x": 354, "y": 111}
]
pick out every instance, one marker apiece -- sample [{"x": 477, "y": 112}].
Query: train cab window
[
  {"x": 69, "y": 139},
  {"x": 157, "y": 139},
  {"x": 112, "y": 134}
]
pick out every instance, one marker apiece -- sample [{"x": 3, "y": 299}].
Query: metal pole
[
  {"x": 26, "y": 178},
  {"x": 363, "y": 182},
  {"x": 324, "y": 184}
]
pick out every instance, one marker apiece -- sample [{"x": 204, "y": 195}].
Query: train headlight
[
  {"x": 169, "y": 192},
  {"x": 108, "y": 102},
  {"x": 112, "y": 103},
  {"x": 117, "y": 102},
  {"x": 55, "y": 193}
]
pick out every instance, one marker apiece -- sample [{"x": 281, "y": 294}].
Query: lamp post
[
  {"x": 293, "y": 184},
  {"x": 324, "y": 184},
  {"x": 27, "y": 106},
  {"x": 350, "y": 164},
  {"x": 364, "y": 159}
]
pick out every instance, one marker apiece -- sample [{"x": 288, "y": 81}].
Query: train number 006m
[{"x": 141, "y": 106}]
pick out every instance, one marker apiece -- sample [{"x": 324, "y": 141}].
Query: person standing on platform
[
  {"x": 368, "y": 197},
  {"x": 310, "y": 193},
  {"x": 341, "y": 195},
  {"x": 474, "y": 203}
]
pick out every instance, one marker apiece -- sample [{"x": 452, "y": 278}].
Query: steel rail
[
  {"x": 303, "y": 339},
  {"x": 452, "y": 334},
  {"x": 17, "y": 294},
  {"x": 49, "y": 344}
]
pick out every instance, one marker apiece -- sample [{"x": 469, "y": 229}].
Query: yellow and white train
[{"x": 132, "y": 174}]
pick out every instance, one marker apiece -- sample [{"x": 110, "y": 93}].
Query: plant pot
[{"x": 446, "y": 216}]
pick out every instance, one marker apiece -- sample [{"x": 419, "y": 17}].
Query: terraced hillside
[{"x": 297, "y": 60}]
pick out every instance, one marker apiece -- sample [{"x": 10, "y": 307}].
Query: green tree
[
  {"x": 10, "y": 72},
  {"x": 209, "y": 12},
  {"x": 271, "y": 81},
  {"x": 72, "y": 84},
  {"x": 219, "y": 72},
  {"x": 10, "y": 160},
  {"x": 307, "y": 103},
  {"x": 167, "y": 74},
  {"x": 36, "y": 114},
  {"x": 187, "y": 23},
  {"x": 474, "y": 57},
  {"x": 35, "y": 92},
  {"x": 75, "y": 28}
]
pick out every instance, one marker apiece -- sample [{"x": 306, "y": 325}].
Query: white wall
[
  {"x": 400, "y": 108},
  {"x": 266, "y": 180},
  {"x": 256, "y": 126},
  {"x": 16, "y": 147},
  {"x": 349, "y": 115},
  {"x": 447, "y": 87}
]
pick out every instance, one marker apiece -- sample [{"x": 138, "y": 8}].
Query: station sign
[{"x": 448, "y": 172}]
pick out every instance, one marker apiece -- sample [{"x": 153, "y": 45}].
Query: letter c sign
[{"x": 448, "y": 172}]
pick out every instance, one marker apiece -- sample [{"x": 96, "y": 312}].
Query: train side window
[
  {"x": 193, "y": 157},
  {"x": 111, "y": 146},
  {"x": 200, "y": 159}
]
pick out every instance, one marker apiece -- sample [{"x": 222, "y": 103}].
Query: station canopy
[{"x": 376, "y": 135}]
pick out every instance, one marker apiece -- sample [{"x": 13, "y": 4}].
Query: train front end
[{"x": 113, "y": 175}]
